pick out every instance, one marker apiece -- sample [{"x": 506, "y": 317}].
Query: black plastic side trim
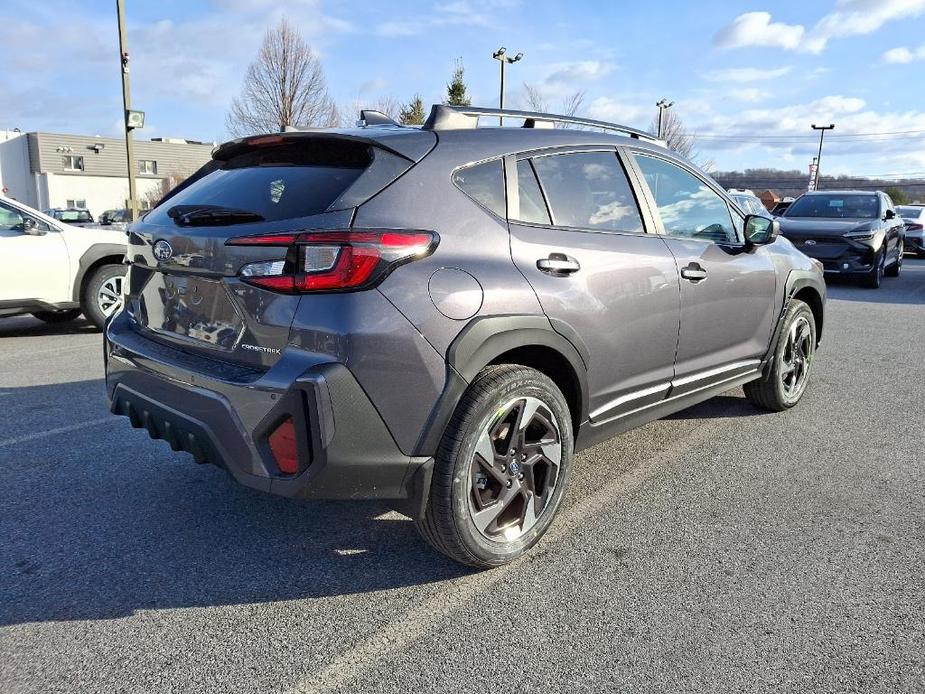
[
  {"x": 796, "y": 280},
  {"x": 93, "y": 255}
]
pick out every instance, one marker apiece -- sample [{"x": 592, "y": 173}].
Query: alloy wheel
[
  {"x": 515, "y": 469},
  {"x": 109, "y": 295},
  {"x": 797, "y": 357}
]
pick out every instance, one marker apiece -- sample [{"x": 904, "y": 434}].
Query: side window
[
  {"x": 689, "y": 208},
  {"x": 588, "y": 190},
  {"x": 10, "y": 218},
  {"x": 484, "y": 183},
  {"x": 532, "y": 205}
]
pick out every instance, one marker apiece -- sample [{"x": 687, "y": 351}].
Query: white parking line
[
  {"x": 54, "y": 432},
  {"x": 405, "y": 630}
]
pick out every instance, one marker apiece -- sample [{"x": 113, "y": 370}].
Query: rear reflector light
[
  {"x": 320, "y": 261},
  {"x": 284, "y": 447}
]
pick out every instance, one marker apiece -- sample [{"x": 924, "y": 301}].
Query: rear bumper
[
  {"x": 225, "y": 417},
  {"x": 915, "y": 242}
]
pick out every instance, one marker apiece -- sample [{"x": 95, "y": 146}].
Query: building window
[
  {"x": 147, "y": 166},
  {"x": 72, "y": 162},
  {"x": 77, "y": 204}
]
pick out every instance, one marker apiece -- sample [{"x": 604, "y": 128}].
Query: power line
[{"x": 841, "y": 136}]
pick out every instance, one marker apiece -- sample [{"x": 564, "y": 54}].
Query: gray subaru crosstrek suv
[{"x": 442, "y": 316}]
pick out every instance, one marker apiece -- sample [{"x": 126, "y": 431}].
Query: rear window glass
[
  {"x": 276, "y": 182},
  {"x": 910, "y": 212},
  {"x": 588, "y": 190},
  {"x": 484, "y": 183},
  {"x": 73, "y": 216}
]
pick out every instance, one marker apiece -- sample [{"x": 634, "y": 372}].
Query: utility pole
[
  {"x": 821, "y": 129},
  {"x": 127, "y": 106},
  {"x": 502, "y": 56},
  {"x": 663, "y": 106}
]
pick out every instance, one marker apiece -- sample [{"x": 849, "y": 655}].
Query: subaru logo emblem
[
  {"x": 810, "y": 242},
  {"x": 514, "y": 467},
  {"x": 162, "y": 250}
]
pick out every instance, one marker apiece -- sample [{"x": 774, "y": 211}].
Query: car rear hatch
[{"x": 186, "y": 285}]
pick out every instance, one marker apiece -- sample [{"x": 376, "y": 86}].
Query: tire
[
  {"x": 63, "y": 316},
  {"x": 471, "y": 514},
  {"x": 920, "y": 254},
  {"x": 896, "y": 268},
  {"x": 875, "y": 277},
  {"x": 97, "y": 299},
  {"x": 788, "y": 375}
]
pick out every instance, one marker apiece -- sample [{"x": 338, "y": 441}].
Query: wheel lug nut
[
  {"x": 509, "y": 483},
  {"x": 520, "y": 476}
]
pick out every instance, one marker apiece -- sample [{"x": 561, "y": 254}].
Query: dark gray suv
[{"x": 441, "y": 316}]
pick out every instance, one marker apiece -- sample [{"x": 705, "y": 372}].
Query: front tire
[
  {"x": 63, "y": 316},
  {"x": 875, "y": 278},
  {"x": 501, "y": 468},
  {"x": 785, "y": 382},
  {"x": 896, "y": 268},
  {"x": 102, "y": 293}
]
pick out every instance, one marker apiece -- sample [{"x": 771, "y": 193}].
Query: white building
[{"x": 46, "y": 170}]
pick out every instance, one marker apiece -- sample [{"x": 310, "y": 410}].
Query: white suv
[{"x": 56, "y": 271}]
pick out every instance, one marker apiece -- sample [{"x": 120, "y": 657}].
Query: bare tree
[
  {"x": 347, "y": 116},
  {"x": 285, "y": 85},
  {"x": 675, "y": 134},
  {"x": 537, "y": 101},
  {"x": 153, "y": 196}
]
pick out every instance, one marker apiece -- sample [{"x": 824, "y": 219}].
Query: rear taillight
[
  {"x": 320, "y": 261},
  {"x": 913, "y": 227}
]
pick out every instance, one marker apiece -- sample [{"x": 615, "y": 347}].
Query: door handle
[
  {"x": 558, "y": 264},
  {"x": 694, "y": 272}
]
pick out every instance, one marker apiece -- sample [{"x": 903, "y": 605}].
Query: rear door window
[
  {"x": 588, "y": 190},
  {"x": 484, "y": 183},
  {"x": 532, "y": 205}
]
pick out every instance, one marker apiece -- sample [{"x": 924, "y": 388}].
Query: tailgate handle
[{"x": 558, "y": 264}]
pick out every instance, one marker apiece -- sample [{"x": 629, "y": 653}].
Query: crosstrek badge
[{"x": 257, "y": 348}]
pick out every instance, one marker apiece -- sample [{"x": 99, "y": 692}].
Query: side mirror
[
  {"x": 760, "y": 230},
  {"x": 890, "y": 214}
]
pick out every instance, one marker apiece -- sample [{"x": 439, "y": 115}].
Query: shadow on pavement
[
  {"x": 26, "y": 326},
  {"x": 100, "y": 522},
  {"x": 908, "y": 288}
]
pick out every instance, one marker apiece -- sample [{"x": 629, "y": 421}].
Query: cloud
[
  {"x": 581, "y": 71},
  {"x": 749, "y": 94},
  {"x": 849, "y": 18},
  {"x": 448, "y": 14},
  {"x": 757, "y": 29},
  {"x": 904, "y": 55},
  {"x": 747, "y": 74}
]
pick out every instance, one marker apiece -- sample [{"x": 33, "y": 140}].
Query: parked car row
[{"x": 56, "y": 270}]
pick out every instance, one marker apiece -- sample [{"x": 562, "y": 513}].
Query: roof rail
[{"x": 443, "y": 117}]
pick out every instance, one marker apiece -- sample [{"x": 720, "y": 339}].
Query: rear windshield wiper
[{"x": 210, "y": 215}]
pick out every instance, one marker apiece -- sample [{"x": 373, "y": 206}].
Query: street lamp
[
  {"x": 821, "y": 129},
  {"x": 663, "y": 106},
  {"x": 501, "y": 56}
]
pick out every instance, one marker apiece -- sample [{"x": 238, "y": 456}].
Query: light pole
[
  {"x": 821, "y": 129},
  {"x": 131, "y": 119},
  {"x": 663, "y": 106},
  {"x": 501, "y": 56}
]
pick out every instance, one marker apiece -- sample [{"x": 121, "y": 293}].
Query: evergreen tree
[
  {"x": 412, "y": 113},
  {"x": 456, "y": 93}
]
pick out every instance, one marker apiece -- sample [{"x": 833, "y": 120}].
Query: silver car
[{"x": 914, "y": 217}]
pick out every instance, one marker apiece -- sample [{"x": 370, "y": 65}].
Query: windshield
[
  {"x": 910, "y": 211},
  {"x": 73, "y": 216},
  {"x": 836, "y": 206}
]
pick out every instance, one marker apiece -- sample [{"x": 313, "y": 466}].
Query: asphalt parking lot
[{"x": 721, "y": 549}]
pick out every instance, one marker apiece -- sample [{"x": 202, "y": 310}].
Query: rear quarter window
[{"x": 484, "y": 183}]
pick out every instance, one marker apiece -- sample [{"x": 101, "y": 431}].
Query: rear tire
[
  {"x": 501, "y": 469},
  {"x": 788, "y": 375},
  {"x": 102, "y": 293},
  {"x": 63, "y": 316}
]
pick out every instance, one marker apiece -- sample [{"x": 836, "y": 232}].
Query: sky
[{"x": 747, "y": 79}]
